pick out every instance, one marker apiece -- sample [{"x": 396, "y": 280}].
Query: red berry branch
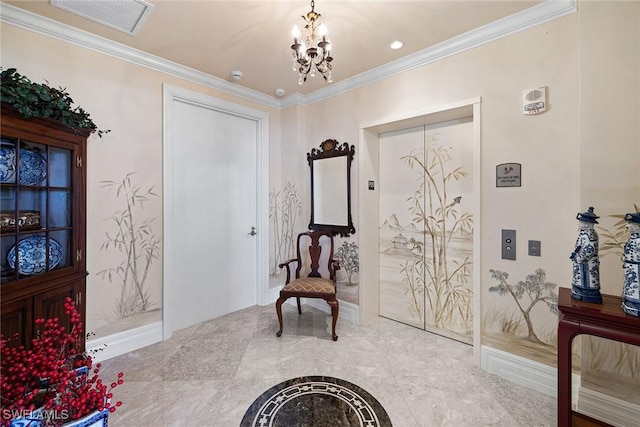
[{"x": 53, "y": 375}]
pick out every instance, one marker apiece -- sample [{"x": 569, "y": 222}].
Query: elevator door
[{"x": 426, "y": 227}]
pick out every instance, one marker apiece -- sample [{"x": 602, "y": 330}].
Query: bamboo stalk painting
[
  {"x": 136, "y": 241},
  {"x": 284, "y": 208},
  {"x": 426, "y": 237}
]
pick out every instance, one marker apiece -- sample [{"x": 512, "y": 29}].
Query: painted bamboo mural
[
  {"x": 426, "y": 249},
  {"x": 447, "y": 288},
  {"x": 284, "y": 208},
  {"x": 136, "y": 240}
]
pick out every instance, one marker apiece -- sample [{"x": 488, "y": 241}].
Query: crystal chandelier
[{"x": 311, "y": 49}]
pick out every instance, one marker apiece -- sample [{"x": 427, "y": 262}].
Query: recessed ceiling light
[{"x": 396, "y": 45}]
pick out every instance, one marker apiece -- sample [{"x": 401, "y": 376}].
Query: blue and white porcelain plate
[
  {"x": 32, "y": 255},
  {"x": 7, "y": 162},
  {"x": 33, "y": 166}
]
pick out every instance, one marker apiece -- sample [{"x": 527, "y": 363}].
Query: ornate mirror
[{"x": 331, "y": 187}]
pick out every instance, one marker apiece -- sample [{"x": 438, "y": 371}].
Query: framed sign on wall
[{"x": 508, "y": 175}]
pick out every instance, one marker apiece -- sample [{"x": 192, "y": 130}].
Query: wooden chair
[{"x": 315, "y": 274}]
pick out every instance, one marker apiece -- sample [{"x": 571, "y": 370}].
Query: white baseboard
[
  {"x": 124, "y": 342},
  {"x": 609, "y": 409},
  {"x": 526, "y": 372},
  {"x": 544, "y": 378}
]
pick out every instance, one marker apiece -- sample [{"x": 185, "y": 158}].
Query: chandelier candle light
[{"x": 311, "y": 49}]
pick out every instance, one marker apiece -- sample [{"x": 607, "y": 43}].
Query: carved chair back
[{"x": 315, "y": 255}]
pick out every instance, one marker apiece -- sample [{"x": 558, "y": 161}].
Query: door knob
[{"x": 252, "y": 232}]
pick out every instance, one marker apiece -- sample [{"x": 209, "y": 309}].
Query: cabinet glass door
[{"x": 36, "y": 208}]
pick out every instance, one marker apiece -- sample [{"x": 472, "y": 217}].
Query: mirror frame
[{"x": 331, "y": 148}]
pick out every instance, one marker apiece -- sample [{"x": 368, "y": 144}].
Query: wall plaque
[{"x": 508, "y": 175}]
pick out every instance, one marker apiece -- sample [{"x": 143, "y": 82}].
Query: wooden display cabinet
[{"x": 43, "y": 221}]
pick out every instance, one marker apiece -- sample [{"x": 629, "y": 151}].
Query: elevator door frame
[{"x": 368, "y": 167}]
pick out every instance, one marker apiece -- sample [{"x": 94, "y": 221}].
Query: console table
[{"x": 606, "y": 320}]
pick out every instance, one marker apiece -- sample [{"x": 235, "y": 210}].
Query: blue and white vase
[
  {"x": 39, "y": 417},
  {"x": 631, "y": 266},
  {"x": 585, "y": 285},
  {"x": 28, "y": 419},
  {"x": 94, "y": 419}
]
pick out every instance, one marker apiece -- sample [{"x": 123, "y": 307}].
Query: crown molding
[
  {"x": 536, "y": 15},
  {"x": 29, "y": 21},
  {"x": 293, "y": 99}
]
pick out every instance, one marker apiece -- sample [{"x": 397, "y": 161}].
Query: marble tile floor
[{"x": 210, "y": 373}]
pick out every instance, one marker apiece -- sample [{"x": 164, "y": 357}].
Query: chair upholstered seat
[
  {"x": 311, "y": 284},
  {"x": 314, "y": 275}
]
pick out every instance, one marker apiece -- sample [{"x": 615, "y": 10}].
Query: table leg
[{"x": 567, "y": 330}]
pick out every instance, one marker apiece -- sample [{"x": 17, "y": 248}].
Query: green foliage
[{"x": 34, "y": 100}]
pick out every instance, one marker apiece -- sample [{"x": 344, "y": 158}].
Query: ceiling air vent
[{"x": 123, "y": 15}]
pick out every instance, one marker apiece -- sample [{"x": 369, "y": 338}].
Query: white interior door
[{"x": 211, "y": 207}]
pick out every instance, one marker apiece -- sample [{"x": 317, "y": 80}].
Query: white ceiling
[{"x": 216, "y": 37}]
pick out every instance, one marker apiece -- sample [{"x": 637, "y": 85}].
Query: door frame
[
  {"x": 172, "y": 94},
  {"x": 368, "y": 168}
]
